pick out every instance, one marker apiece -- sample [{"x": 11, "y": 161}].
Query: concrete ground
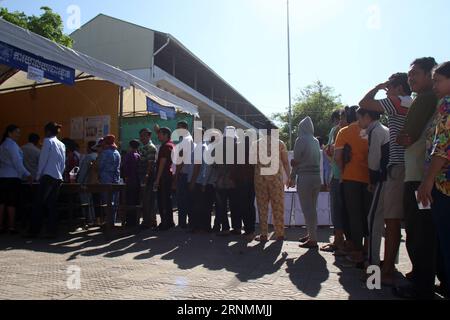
[{"x": 178, "y": 265}]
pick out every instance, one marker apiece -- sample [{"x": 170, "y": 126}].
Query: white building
[{"x": 160, "y": 59}]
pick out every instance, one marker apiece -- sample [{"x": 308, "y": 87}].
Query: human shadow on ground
[{"x": 308, "y": 272}]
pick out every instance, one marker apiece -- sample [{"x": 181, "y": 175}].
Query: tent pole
[{"x": 120, "y": 116}]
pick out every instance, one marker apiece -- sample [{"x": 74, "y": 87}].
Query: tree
[
  {"x": 49, "y": 24},
  {"x": 316, "y": 101}
]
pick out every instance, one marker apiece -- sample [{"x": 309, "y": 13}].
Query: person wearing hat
[
  {"x": 50, "y": 174},
  {"x": 109, "y": 168}
]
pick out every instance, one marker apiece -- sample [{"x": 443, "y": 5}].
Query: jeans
[{"x": 47, "y": 199}]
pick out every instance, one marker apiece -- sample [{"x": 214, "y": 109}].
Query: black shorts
[{"x": 10, "y": 191}]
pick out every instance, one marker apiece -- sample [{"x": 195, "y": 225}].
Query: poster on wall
[
  {"x": 77, "y": 128},
  {"x": 96, "y": 127}
]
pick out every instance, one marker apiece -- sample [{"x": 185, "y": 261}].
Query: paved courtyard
[{"x": 177, "y": 265}]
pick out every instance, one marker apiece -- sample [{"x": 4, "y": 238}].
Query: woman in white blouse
[{"x": 12, "y": 172}]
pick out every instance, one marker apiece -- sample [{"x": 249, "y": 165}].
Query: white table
[{"x": 293, "y": 215}]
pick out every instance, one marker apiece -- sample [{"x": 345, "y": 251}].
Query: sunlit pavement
[{"x": 178, "y": 265}]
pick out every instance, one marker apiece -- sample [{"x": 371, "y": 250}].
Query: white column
[{"x": 213, "y": 121}]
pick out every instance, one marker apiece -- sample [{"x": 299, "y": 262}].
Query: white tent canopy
[{"x": 84, "y": 66}]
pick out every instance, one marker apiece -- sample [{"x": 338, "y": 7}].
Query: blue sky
[{"x": 350, "y": 45}]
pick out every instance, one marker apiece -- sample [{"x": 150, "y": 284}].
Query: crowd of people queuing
[{"x": 388, "y": 163}]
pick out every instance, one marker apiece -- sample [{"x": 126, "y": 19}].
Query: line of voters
[{"x": 389, "y": 162}]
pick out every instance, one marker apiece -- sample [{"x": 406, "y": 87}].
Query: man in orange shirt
[{"x": 351, "y": 155}]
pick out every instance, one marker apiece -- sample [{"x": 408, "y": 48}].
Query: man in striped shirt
[{"x": 395, "y": 107}]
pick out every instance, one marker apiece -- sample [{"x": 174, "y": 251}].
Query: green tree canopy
[
  {"x": 49, "y": 24},
  {"x": 316, "y": 101}
]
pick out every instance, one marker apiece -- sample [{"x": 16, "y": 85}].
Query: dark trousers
[
  {"x": 441, "y": 216},
  {"x": 247, "y": 211},
  {"x": 225, "y": 198},
  {"x": 46, "y": 199},
  {"x": 149, "y": 204},
  {"x": 421, "y": 241},
  {"x": 132, "y": 199},
  {"x": 165, "y": 201},
  {"x": 184, "y": 200},
  {"x": 200, "y": 219},
  {"x": 357, "y": 202}
]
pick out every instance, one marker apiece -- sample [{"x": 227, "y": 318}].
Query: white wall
[{"x": 118, "y": 43}]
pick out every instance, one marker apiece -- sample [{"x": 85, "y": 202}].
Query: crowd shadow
[{"x": 247, "y": 261}]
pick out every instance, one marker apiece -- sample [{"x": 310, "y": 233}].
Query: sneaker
[{"x": 236, "y": 232}]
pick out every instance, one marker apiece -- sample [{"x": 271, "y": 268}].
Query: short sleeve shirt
[
  {"x": 358, "y": 168},
  {"x": 147, "y": 153},
  {"x": 396, "y": 108},
  {"x": 440, "y": 145},
  {"x": 165, "y": 152}
]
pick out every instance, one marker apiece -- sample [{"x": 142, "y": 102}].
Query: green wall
[{"x": 132, "y": 125}]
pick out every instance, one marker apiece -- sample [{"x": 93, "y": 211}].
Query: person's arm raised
[{"x": 370, "y": 103}]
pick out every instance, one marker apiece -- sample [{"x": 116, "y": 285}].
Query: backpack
[{"x": 382, "y": 173}]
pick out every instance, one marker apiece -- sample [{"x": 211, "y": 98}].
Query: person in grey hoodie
[{"x": 306, "y": 171}]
